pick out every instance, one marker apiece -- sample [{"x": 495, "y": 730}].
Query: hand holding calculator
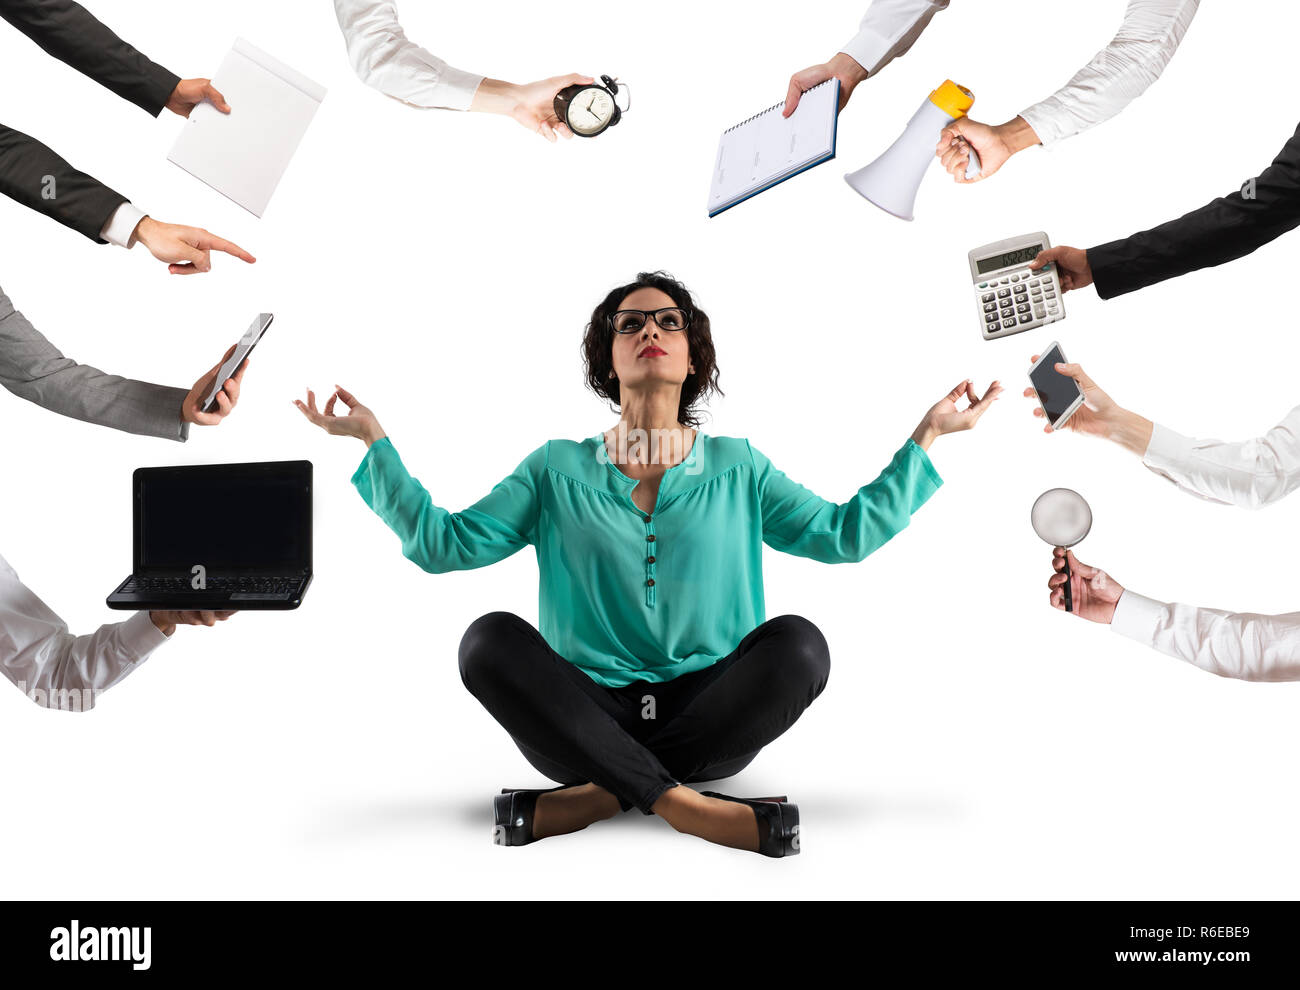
[{"x": 1012, "y": 297}]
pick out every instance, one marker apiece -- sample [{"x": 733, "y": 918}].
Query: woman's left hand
[
  {"x": 360, "y": 422},
  {"x": 945, "y": 417}
]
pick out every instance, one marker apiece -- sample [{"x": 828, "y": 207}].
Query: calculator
[{"x": 1011, "y": 296}]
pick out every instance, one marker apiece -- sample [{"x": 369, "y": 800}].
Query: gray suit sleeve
[{"x": 34, "y": 369}]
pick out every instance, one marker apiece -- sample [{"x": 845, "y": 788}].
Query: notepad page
[
  {"x": 769, "y": 147},
  {"x": 244, "y": 154}
]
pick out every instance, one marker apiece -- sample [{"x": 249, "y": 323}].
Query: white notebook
[
  {"x": 768, "y": 148},
  {"x": 243, "y": 154}
]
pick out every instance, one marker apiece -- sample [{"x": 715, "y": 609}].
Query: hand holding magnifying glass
[{"x": 1062, "y": 518}]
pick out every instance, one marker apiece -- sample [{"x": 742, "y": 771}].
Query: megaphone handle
[
  {"x": 973, "y": 165},
  {"x": 1069, "y": 603}
]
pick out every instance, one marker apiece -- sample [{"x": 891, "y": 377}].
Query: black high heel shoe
[
  {"x": 778, "y": 823},
  {"x": 513, "y": 809}
]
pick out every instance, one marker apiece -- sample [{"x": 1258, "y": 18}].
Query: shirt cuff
[
  {"x": 927, "y": 465},
  {"x": 1047, "y": 129},
  {"x": 120, "y": 229},
  {"x": 461, "y": 85},
  {"x": 1167, "y": 449},
  {"x": 869, "y": 50},
  {"x": 140, "y": 636},
  {"x": 361, "y": 476},
  {"x": 1137, "y": 617}
]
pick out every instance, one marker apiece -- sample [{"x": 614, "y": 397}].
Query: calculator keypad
[{"x": 1019, "y": 301}]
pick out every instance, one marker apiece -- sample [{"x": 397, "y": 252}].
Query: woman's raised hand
[
  {"x": 944, "y": 416},
  {"x": 360, "y": 422}
]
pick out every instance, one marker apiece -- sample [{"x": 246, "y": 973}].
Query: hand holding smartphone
[{"x": 1058, "y": 394}]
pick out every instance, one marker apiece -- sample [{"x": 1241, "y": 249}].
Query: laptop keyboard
[{"x": 238, "y": 588}]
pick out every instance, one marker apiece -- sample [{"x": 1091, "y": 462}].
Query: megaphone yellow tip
[{"x": 952, "y": 99}]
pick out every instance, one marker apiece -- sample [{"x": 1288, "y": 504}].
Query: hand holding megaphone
[
  {"x": 892, "y": 180},
  {"x": 993, "y": 144}
]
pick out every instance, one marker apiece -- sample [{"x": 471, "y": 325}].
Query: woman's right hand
[{"x": 360, "y": 422}]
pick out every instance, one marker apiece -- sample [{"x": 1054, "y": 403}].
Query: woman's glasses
[{"x": 633, "y": 320}]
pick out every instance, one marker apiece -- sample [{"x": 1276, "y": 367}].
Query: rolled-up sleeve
[
  {"x": 888, "y": 29},
  {"x": 1249, "y": 474},
  {"x": 1118, "y": 74},
  {"x": 799, "y": 522},
  {"x": 55, "y": 668},
  {"x": 1242, "y": 645},
  {"x": 499, "y": 524},
  {"x": 386, "y": 60}
]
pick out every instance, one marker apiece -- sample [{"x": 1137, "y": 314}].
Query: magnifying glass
[{"x": 1061, "y": 517}]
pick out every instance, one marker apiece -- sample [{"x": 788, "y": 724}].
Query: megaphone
[{"x": 891, "y": 181}]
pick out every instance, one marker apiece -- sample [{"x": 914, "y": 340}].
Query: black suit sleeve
[
  {"x": 1228, "y": 228},
  {"x": 71, "y": 34},
  {"x": 35, "y": 176}
]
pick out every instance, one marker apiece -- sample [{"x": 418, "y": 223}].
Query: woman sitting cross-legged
[{"x": 654, "y": 665}]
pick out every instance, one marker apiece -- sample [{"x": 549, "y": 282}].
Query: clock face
[{"x": 590, "y": 111}]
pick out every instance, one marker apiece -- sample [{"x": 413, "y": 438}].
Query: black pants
[{"x": 637, "y": 741}]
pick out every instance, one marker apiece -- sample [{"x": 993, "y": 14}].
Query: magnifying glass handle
[{"x": 1069, "y": 603}]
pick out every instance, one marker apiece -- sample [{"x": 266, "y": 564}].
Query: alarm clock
[{"x": 590, "y": 108}]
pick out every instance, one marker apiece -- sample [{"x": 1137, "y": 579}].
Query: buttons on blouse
[{"x": 648, "y": 519}]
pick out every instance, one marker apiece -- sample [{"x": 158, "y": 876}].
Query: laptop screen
[{"x": 230, "y": 518}]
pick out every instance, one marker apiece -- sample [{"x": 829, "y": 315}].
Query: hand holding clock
[{"x": 530, "y": 104}]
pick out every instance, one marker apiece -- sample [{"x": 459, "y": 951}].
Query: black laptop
[{"x": 220, "y": 536}]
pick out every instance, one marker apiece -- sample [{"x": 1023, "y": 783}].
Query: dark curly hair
[{"x": 598, "y": 343}]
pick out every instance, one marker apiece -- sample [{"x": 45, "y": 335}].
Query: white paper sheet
[{"x": 243, "y": 154}]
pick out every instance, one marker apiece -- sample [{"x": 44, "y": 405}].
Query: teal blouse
[{"x": 627, "y": 595}]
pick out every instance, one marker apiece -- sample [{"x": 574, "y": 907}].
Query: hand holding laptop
[
  {"x": 208, "y": 539},
  {"x": 168, "y": 621}
]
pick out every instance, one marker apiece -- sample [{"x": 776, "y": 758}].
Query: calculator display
[{"x": 1020, "y": 257}]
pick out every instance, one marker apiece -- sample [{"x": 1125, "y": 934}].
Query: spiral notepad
[{"x": 768, "y": 148}]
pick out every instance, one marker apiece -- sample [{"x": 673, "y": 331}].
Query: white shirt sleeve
[
  {"x": 55, "y": 668},
  {"x": 120, "y": 228},
  {"x": 1231, "y": 644},
  {"x": 1118, "y": 74},
  {"x": 888, "y": 30},
  {"x": 1250, "y": 474},
  {"x": 385, "y": 60}
]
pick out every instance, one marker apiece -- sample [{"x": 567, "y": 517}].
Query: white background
[{"x": 972, "y": 742}]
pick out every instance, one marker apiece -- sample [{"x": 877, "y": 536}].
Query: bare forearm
[{"x": 1131, "y": 431}]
